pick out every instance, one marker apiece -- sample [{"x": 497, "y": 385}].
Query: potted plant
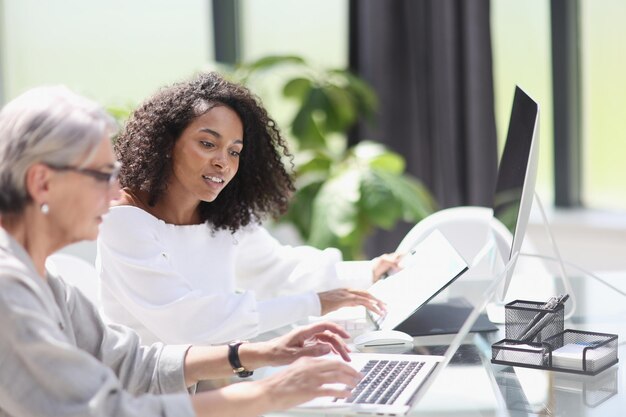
[{"x": 343, "y": 192}]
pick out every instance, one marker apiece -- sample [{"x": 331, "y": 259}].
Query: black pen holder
[{"x": 524, "y": 318}]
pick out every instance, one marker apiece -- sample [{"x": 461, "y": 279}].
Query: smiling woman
[
  {"x": 204, "y": 160},
  {"x": 183, "y": 256}
]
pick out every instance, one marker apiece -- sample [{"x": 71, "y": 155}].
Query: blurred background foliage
[{"x": 343, "y": 192}]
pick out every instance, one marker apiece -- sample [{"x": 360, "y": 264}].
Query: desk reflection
[{"x": 531, "y": 392}]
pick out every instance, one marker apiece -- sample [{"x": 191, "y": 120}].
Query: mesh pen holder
[{"x": 527, "y": 321}]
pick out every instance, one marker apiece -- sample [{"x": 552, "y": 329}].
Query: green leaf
[
  {"x": 120, "y": 113},
  {"x": 304, "y": 126},
  {"x": 389, "y": 162},
  {"x": 378, "y": 157},
  {"x": 300, "y": 210},
  {"x": 379, "y": 203},
  {"x": 335, "y": 209},
  {"x": 270, "y": 61},
  {"x": 297, "y": 88},
  {"x": 307, "y": 132},
  {"x": 306, "y": 178},
  {"x": 342, "y": 112},
  {"x": 413, "y": 197},
  {"x": 311, "y": 161},
  {"x": 364, "y": 95}
]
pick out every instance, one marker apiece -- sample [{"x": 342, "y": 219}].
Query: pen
[
  {"x": 548, "y": 305},
  {"x": 534, "y": 328}
]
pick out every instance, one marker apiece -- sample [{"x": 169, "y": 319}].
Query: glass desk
[
  {"x": 472, "y": 386},
  {"x": 530, "y": 392}
]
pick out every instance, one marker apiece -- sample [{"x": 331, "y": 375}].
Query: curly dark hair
[{"x": 262, "y": 185}]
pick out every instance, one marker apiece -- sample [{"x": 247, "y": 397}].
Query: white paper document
[{"x": 432, "y": 266}]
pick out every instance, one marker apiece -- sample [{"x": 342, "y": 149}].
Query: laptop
[{"x": 393, "y": 384}]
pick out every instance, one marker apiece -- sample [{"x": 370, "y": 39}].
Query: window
[
  {"x": 116, "y": 51},
  {"x": 603, "y": 68},
  {"x": 520, "y": 33},
  {"x": 314, "y": 29}
]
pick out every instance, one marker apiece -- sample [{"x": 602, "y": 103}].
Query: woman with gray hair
[{"x": 58, "y": 174}]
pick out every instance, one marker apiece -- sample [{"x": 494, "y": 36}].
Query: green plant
[{"x": 343, "y": 192}]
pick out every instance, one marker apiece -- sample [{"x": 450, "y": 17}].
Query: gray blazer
[{"x": 58, "y": 358}]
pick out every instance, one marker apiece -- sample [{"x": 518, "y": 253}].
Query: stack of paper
[
  {"x": 570, "y": 356},
  {"x": 531, "y": 355}
]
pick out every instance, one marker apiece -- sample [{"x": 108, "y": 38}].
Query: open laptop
[{"x": 393, "y": 384}]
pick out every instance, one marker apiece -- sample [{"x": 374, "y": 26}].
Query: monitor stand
[
  {"x": 496, "y": 309},
  {"x": 443, "y": 318}
]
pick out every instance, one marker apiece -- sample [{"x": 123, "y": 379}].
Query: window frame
[{"x": 566, "y": 91}]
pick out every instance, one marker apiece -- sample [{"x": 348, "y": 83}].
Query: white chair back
[
  {"x": 77, "y": 272},
  {"x": 469, "y": 229}
]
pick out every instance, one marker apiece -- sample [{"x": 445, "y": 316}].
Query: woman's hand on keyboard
[
  {"x": 343, "y": 297},
  {"x": 317, "y": 339},
  {"x": 307, "y": 379}
]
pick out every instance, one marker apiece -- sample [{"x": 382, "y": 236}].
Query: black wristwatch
[{"x": 235, "y": 363}]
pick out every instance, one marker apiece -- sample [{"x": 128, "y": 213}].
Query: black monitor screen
[{"x": 514, "y": 160}]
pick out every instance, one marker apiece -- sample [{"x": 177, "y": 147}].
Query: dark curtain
[{"x": 430, "y": 64}]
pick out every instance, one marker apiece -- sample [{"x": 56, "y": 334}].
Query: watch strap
[{"x": 235, "y": 363}]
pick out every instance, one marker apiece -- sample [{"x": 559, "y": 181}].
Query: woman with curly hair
[{"x": 183, "y": 257}]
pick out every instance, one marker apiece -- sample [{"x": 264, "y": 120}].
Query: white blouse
[{"x": 187, "y": 284}]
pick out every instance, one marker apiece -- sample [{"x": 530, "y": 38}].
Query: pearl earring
[{"x": 45, "y": 208}]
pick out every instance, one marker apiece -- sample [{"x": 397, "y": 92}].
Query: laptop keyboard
[
  {"x": 352, "y": 326},
  {"x": 383, "y": 382}
]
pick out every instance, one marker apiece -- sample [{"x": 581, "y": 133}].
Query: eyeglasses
[{"x": 105, "y": 177}]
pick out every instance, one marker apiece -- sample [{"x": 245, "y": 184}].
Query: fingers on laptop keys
[
  {"x": 308, "y": 378},
  {"x": 336, "y": 344},
  {"x": 343, "y": 297},
  {"x": 352, "y": 325},
  {"x": 316, "y": 339}
]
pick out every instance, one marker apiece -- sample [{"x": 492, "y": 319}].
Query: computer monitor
[{"x": 517, "y": 172}]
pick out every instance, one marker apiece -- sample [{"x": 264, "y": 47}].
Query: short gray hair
[{"x": 50, "y": 125}]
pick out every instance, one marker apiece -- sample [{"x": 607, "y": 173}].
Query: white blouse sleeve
[
  {"x": 272, "y": 269},
  {"x": 134, "y": 268}
]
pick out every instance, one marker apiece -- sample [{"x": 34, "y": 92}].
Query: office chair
[
  {"x": 76, "y": 272},
  {"x": 472, "y": 231}
]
